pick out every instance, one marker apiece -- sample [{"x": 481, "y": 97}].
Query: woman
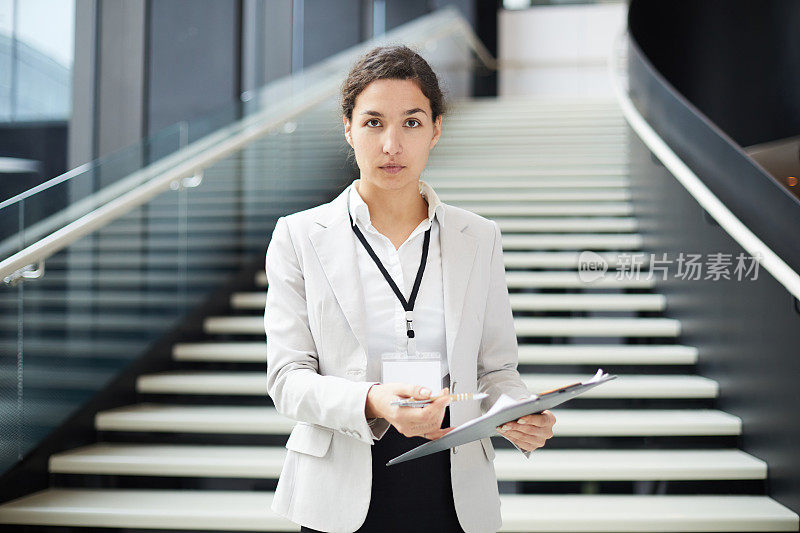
[{"x": 388, "y": 269}]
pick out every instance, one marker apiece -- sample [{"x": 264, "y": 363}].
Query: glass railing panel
[{"x": 61, "y": 201}]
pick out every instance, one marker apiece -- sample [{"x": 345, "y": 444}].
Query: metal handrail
[
  {"x": 148, "y": 182},
  {"x": 762, "y": 253}
]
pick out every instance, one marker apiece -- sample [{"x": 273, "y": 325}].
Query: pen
[{"x": 453, "y": 398}]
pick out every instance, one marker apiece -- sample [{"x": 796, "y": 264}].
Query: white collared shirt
[{"x": 386, "y": 325}]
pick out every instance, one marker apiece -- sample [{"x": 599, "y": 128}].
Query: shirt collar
[{"x": 360, "y": 211}]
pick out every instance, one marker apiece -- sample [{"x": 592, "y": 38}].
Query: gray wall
[{"x": 193, "y": 59}]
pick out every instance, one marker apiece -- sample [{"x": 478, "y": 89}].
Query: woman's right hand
[{"x": 410, "y": 421}]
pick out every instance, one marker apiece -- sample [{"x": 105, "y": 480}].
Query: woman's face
[{"x": 392, "y": 126}]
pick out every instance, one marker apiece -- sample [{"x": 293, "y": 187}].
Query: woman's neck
[{"x": 395, "y": 208}]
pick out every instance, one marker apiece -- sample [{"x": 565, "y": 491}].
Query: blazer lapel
[
  {"x": 335, "y": 245},
  {"x": 458, "y": 257}
]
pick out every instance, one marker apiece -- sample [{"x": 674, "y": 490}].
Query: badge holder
[{"x": 422, "y": 368}]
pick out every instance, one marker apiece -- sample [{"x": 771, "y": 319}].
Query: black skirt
[{"x": 416, "y": 495}]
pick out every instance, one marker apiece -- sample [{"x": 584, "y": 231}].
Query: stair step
[
  {"x": 644, "y": 513},
  {"x": 135, "y": 279},
  {"x": 553, "y": 208},
  {"x": 628, "y": 465},
  {"x": 525, "y": 302},
  {"x": 569, "y": 260},
  {"x": 551, "y": 279},
  {"x": 581, "y": 241},
  {"x": 127, "y": 259},
  {"x": 597, "y": 327},
  {"x": 564, "y": 224},
  {"x": 542, "y": 354},
  {"x": 238, "y": 352},
  {"x": 432, "y": 175},
  {"x": 266, "y": 420},
  {"x": 528, "y": 327},
  {"x": 539, "y": 159},
  {"x": 630, "y": 386},
  {"x": 105, "y": 321},
  {"x": 545, "y": 182},
  {"x": 122, "y": 299},
  {"x": 572, "y": 280},
  {"x": 563, "y": 195},
  {"x": 265, "y": 462},
  {"x": 195, "y": 242},
  {"x": 607, "y": 354},
  {"x": 239, "y": 510},
  {"x": 586, "y": 302},
  {"x": 253, "y": 384}
]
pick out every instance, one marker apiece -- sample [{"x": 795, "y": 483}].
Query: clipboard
[{"x": 504, "y": 410}]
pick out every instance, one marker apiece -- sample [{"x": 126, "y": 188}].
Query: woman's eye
[
  {"x": 413, "y": 120},
  {"x": 372, "y": 119}
]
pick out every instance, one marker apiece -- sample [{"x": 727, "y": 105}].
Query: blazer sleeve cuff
[
  {"x": 379, "y": 426},
  {"x": 526, "y": 453}
]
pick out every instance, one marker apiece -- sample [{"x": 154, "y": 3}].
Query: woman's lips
[{"x": 393, "y": 169}]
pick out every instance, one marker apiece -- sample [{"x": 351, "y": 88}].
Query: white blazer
[{"x": 317, "y": 359}]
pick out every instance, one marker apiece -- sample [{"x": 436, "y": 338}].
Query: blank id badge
[{"x": 422, "y": 368}]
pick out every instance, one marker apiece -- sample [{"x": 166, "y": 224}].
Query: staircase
[{"x": 646, "y": 452}]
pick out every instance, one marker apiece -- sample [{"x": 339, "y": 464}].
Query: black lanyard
[{"x": 408, "y": 306}]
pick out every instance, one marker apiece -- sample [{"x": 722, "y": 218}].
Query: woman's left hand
[{"x": 529, "y": 432}]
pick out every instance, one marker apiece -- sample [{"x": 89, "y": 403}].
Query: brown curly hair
[{"x": 391, "y": 62}]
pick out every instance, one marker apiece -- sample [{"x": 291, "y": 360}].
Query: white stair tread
[
  {"x": 253, "y": 384},
  {"x": 108, "y": 279},
  {"x": 524, "y": 302},
  {"x": 249, "y": 300},
  {"x": 572, "y": 241},
  {"x": 245, "y": 325},
  {"x": 550, "y": 208},
  {"x": 644, "y": 422},
  {"x": 606, "y": 354},
  {"x": 527, "y": 259},
  {"x": 552, "y": 279},
  {"x": 232, "y": 510},
  {"x": 560, "y": 354},
  {"x": 545, "y": 464},
  {"x": 255, "y": 352},
  {"x": 266, "y": 420},
  {"x": 609, "y": 465},
  {"x": 640, "y": 513},
  {"x": 201, "y": 460},
  {"x": 531, "y": 184},
  {"x": 551, "y": 327},
  {"x": 571, "y": 279},
  {"x": 581, "y": 302},
  {"x": 554, "y": 224},
  {"x": 556, "y": 195},
  {"x": 202, "y": 241},
  {"x": 630, "y": 385},
  {"x": 432, "y": 175},
  {"x": 238, "y": 510},
  {"x": 194, "y": 419},
  {"x": 597, "y": 327}
]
